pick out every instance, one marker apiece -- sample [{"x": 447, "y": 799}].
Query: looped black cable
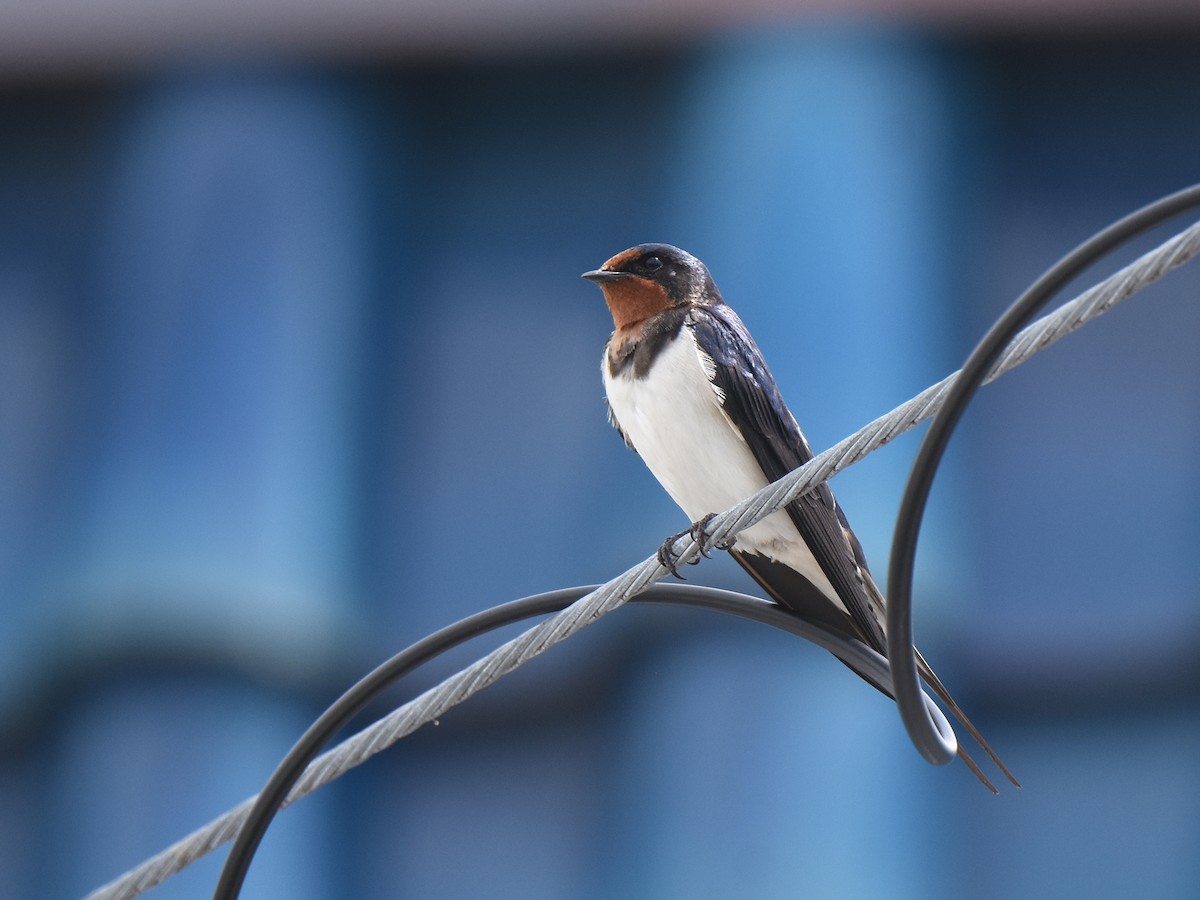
[
  {"x": 862, "y": 659},
  {"x": 974, "y": 372}
]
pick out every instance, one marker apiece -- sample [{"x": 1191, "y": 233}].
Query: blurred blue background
[{"x": 296, "y": 367}]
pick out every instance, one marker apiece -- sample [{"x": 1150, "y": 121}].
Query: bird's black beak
[{"x": 599, "y": 276}]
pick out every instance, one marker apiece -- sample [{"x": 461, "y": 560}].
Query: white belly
[{"x": 674, "y": 420}]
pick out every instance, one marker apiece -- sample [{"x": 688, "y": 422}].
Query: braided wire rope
[{"x": 615, "y": 593}]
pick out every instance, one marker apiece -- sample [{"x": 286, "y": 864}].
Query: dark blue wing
[{"x": 753, "y": 403}]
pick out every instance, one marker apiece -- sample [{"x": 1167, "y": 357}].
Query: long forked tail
[{"x": 935, "y": 683}]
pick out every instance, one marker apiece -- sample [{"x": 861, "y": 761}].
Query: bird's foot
[
  {"x": 697, "y": 532},
  {"x": 666, "y": 554}
]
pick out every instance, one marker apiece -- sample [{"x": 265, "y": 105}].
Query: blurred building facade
[{"x": 296, "y": 367}]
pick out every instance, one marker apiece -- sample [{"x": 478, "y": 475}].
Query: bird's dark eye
[{"x": 652, "y": 263}]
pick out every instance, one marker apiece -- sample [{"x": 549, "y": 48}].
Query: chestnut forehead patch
[{"x": 621, "y": 259}]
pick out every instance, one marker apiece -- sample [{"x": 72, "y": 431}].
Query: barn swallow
[{"x": 690, "y": 392}]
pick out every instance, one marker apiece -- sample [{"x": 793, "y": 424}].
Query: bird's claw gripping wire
[
  {"x": 666, "y": 555},
  {"x": 697, "y": 531}
]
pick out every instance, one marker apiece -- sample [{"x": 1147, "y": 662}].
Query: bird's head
[{"x": 644, "y": 280}]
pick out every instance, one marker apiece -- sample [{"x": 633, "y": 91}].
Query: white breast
[{"x": 673, "y": 418}]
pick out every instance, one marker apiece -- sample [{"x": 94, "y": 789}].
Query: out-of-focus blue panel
[
  {"x": 1110, "y": 809},
  {"x": 46, "y": 189},
  {"x": 21, "y": 846},
  {"x": 212, "y": 522},
  {"x": 139, "y": 766},
  {"x": 1086, "y": 460},
  {"x": 231, "y": 279},
  {"x": 752, "y": 766},
  {"x": 510, "y": 813}
]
